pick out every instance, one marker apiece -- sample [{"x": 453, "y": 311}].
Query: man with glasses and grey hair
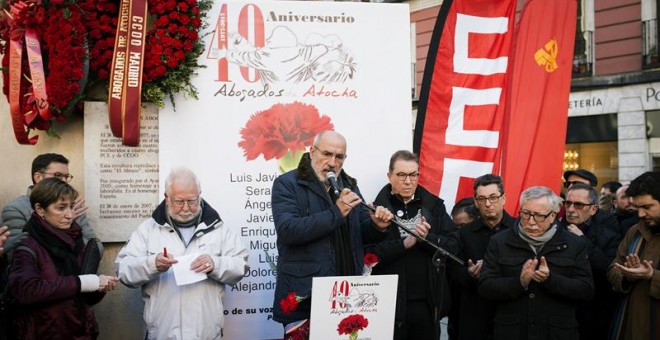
[
  {"x": 536, "y": 273},
  {"x": 320, "y": 232},
  {"x": 17, "y": 212},
  {"x": 182, "y": 225},
  {"x": 601, "y": 232},
  {"x": 475, "y": 316}
]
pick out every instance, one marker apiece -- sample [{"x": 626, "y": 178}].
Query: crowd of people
[
  {"x": 583, "y": 265},
  {"x": 53, "y": 256}
]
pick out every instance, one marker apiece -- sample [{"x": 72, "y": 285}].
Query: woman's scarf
[{"x": 63, "y": 245}]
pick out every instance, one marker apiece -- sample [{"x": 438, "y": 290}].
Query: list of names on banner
[{"x": 257, "y": 230}]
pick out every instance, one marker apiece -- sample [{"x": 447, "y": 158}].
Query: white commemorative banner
[{"x": 277, "y": 73}]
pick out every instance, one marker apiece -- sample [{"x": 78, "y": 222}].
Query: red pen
[{"x": 164, "y": 251}]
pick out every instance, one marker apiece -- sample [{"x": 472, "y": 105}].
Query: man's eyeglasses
[
  {"x": 491, "y": 199},
  {"x": 402, "y": 176},
  {"x": 537, "y": 217},
  {"x": 59, "y": 175},
  {"x": 190, "y": 203},
  {"x": 327, "y": 154},
  {"x": 568, "y": 184},
  {"x": 577, "y": 205}
]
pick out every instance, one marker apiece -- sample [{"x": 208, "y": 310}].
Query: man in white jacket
[{"x": 183, "y": 224}]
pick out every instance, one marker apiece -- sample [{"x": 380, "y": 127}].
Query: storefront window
[
  {"x": 592, "y": 144},
  {"x": 601, "y": 158}
]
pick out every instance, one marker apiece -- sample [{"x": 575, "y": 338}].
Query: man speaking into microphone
[{"x": 320, "y": 226}]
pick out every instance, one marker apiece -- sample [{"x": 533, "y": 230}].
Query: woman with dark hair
[{"x": 51, "y": 274}]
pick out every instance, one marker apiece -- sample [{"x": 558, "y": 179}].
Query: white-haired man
[
  {"x": 182, "y": 224},
  {"x": 536, "y": 273}
]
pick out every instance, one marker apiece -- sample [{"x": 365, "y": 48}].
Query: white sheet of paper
[{"x": 182, "y": 273}]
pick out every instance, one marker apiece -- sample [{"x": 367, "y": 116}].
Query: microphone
[{"x": 332, "y": 179}]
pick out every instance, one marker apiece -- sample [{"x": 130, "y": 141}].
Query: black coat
[
  {"x": 601, "y": 233},
  {"x": 542, "y": 310},
  {"x": 475, "y": 315},
  {"x": 391, "y": 252},
  {"x": 626, "y": 221}
]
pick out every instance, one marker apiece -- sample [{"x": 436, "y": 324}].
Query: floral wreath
[
  {"x": 77, "y": 38},
  {"x": 62, "y": 32},
  {"x": 173, "y": 40}
]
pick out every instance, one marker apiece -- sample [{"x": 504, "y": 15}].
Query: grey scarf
[{"x": 536, "y": 243}]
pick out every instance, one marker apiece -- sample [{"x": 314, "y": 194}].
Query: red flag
[
  {"x": 537, "y": 109},
  {"x": 460, "y": 114}
]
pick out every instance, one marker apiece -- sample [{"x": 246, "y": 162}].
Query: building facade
[{"x": 614, "y": 105}]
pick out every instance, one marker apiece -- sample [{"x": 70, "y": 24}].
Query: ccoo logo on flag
[{"x": 547, "y": 56}]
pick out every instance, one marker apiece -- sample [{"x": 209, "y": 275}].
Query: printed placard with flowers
[{"x": 353, "y": 307}]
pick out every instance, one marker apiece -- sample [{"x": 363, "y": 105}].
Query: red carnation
[
  {"x": 172, "y": 28},
  {"x": 351, "y": 324},
  {"x": 40, "y": 15},
  {"x": 184, "y": 19},
  {"x": 170, "y": 5},
  {"x": 172, "y": 62},
  {"x": 162, "y": 21},
  {"x": 290, "y": 302},
  {"x": 370, "y": 259},
  {"x": 187, "y": 45},
  {"x": 282, "y": 128}
]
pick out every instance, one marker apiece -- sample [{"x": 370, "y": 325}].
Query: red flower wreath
[
  {"x": 173, "y": 40},
  {"x": 73, "y": 33},
  {"x": 101, "y": 22},
  {"x": 59, "y": 27},
  {"x": 352, "y": 324}
]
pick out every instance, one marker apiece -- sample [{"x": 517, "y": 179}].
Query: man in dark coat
[
  {"x": 537, "y": 273},
  {"x": 634, "y": 272},
  {"x": 626, "y": 212},
  {"x": 475, "y": 316},
  {"x": 318, "y": 233},
  {"x": 601, "y": 232},
  {"x": 423, "y": 290}
]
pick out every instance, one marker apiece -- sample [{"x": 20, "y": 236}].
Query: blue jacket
[{"x": 305, "y": 223}]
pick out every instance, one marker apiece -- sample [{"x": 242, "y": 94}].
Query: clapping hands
[{"x": 530, "y": 272}]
